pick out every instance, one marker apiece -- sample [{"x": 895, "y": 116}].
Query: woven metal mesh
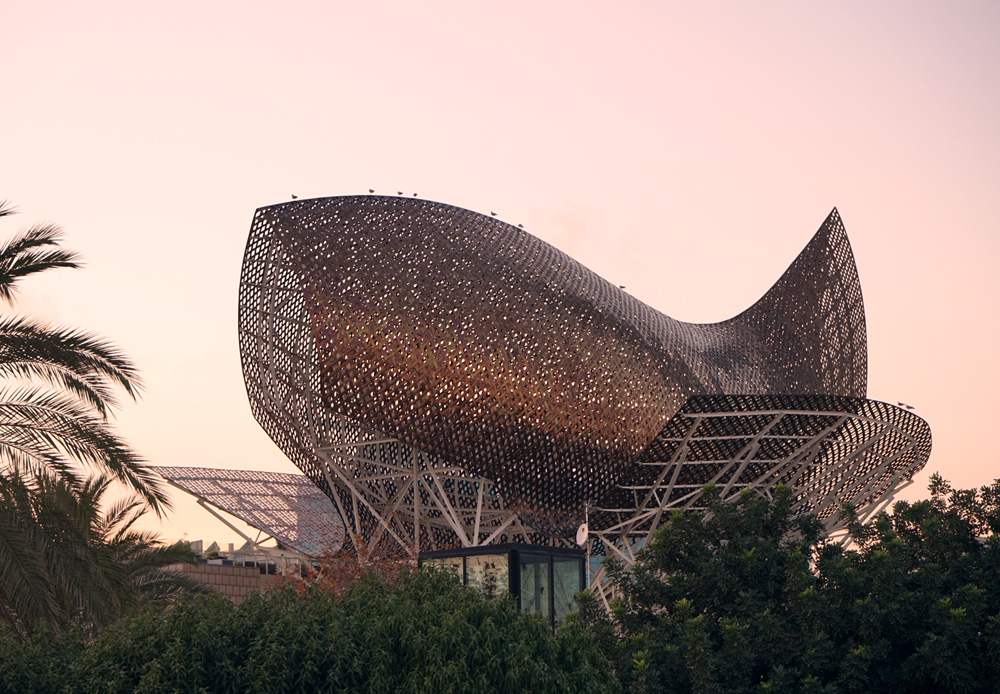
[
  {"x": 829, "y": 449},
  {"x": 451, "y": 340},
  {"x": 288, "y": 508}
]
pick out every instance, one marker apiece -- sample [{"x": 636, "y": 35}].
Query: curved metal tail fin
[{"x": 812, "y": 321}]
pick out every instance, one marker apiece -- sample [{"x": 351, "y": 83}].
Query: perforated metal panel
[
  {"x": 829, "y": 449},
  {"x": 408, "y": 355},
  {"x": 288, "y": 508}
]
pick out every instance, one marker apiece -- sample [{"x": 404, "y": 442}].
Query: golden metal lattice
[{"x": 410, "y": 355}]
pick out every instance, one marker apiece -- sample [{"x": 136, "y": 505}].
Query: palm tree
[
  {"x": 54, "y": 420},
  {"x": 140, "y": 554},
  {"x": 61, "y": 559},
  {"x": 74, "y": 563}
]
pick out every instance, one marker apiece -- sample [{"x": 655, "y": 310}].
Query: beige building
[{"x": 232, "y": 581}]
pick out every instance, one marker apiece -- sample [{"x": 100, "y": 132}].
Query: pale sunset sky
[{"x": 686, "y": 150}]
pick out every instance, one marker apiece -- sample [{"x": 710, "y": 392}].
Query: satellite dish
[{"x": 581, "y": 534}]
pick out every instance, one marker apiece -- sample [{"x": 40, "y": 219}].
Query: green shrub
[
  {"x": 424, "y": 633},
  {"x": 749, "y": 598}
]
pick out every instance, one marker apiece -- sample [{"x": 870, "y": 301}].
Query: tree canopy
[
  {"x": 748, "y": 598},
  {"x": 421, "y": 633}
]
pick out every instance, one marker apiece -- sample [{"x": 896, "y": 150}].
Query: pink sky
[{"x": 688, "y": 151}]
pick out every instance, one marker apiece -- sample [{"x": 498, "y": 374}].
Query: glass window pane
[
  {"x": 488, "y": 572},
  {"x": 452, "y": 564},
  {"x": 566, "y": 584},
  {"x": 536, "y": 585}
]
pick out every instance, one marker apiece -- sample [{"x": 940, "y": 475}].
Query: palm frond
[
  {"x": 31, "y": 251},
  {"x": 85, "y": 365},
  {"x": 61, "y": 558},
  {"x": 25, "y": 590},
  {"x": 80, "y": 565},
  {"x": 44, "y": 430},
  {"x": 149, "y": 567},
  {"x": 121, "y": 515}
]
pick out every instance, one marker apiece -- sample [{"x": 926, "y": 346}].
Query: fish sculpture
[{"x": 471, "y": 340}]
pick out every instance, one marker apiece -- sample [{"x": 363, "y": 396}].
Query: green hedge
[{"x": 425, "y": 634}]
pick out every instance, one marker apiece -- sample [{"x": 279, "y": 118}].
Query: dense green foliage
[
  {"x": 747, "y": 598},
  {"x": 424, "y": 633},
  {"x": 84, "y": 565}
]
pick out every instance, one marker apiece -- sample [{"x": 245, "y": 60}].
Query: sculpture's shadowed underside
[{"x": 449, "y": 379}]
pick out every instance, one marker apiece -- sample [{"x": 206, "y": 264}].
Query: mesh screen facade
[
  {"x": 450, "y": 379},
  {"x": 288, "y": 508}
]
